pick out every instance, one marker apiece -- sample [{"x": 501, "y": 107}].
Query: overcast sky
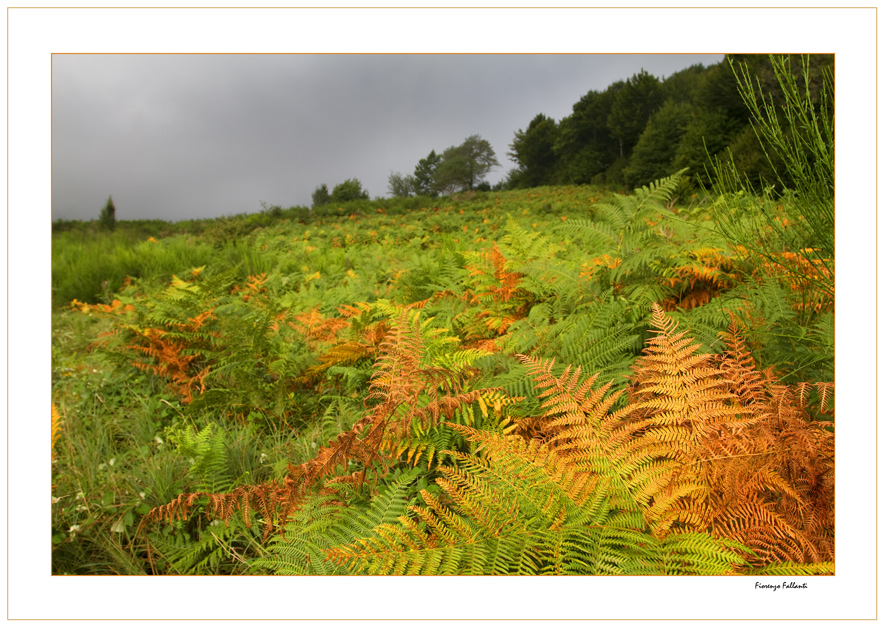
[{"x": 198, "y": 136}]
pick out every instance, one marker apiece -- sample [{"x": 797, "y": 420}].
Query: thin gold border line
[
  {"x": 461, "y": 8},
  {"x": 7, "y": 317},
  {"x": 384, "y": 7}
]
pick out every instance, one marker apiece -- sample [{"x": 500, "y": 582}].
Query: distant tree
[
  {"x": 632, "y": 108},
  {"x": 424, "y": 175},
  {"x": 533, "y": 151},
  {"x": 401, "y": 185},
  {"x": 108, "y": 216},
  {"x": 320, "y": 196},
  {"x": 452, "y": 173},
  {"x": 466, "y": 165},
  {"x": 348, "y": 190},
  {"x": 480, "y": 158}
]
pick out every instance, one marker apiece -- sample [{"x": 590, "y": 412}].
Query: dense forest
[{"x": 556, "y": 377}]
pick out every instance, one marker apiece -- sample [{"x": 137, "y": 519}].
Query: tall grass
[{"x": 91, "y": 268}]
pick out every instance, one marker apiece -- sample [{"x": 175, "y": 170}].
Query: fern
[
  {"x": 520, "y": 510},
  {"x": 207, "y": 452},
  {"x": 410, "y": 395},
  {"x": 319, "y": 525}
]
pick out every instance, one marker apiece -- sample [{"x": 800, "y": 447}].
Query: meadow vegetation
[{"x": 548, "y": 380}]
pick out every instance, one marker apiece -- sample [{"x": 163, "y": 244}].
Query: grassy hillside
[{"x": 406, "y": 387}]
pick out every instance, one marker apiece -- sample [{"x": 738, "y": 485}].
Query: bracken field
[{"x": 557, "y": 380}]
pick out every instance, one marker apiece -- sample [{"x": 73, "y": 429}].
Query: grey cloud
[{"x": 194, "y": 136}]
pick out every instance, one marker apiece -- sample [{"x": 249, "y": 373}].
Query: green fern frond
[
  {"x": 792, "y": 569},
  {"x": 319, "y": 525}
]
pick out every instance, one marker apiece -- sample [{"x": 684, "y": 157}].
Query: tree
[
  {"x": 634, "y": 105},
  {"x": 707, "y": 134},
  {"x": 584, "y": 145},
  {"x": 653, "y": 156},
  {"x": 348, "y": 190},
  {"x": 452, "y": 173},
  {"x": 108, "y": 216},
  {"x": 320, "y": 196},
  {"x": 425, "y": 172},
  {"x": 533, "y": 151},
  {"x": 401, "y": 185},
  {"x": 466, "y": 165}
]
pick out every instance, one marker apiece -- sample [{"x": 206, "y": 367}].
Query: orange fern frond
[{"x": 404, "y": 392}]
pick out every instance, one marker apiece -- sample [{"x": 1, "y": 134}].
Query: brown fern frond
[
  {"x": 775, "y": 493},
  {"x": 314, "y": 327},
  {"x": 404, "y": 392}
]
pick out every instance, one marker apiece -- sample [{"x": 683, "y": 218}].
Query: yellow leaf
[{"x": 483, "y": 408}]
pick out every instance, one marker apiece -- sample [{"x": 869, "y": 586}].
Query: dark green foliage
[
  {"x": 632, "y": 108},
  {"x": 533, "y": 151},
  {"x": 320, "y": 196},
  {"x": 108, "y": 216},
  {"x": 654, "y": 155},
  {"x": 348, "y": 190},
  {"x": 706, "y": 133},
  {"x": 424, "y": 176},
  {"x": 585, "y": 146},
  {"x": 797, "y": 137},
  {"x": 464, "y": 166}
]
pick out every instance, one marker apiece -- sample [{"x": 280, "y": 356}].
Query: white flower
[
  {"x": 74, "y": 528},
  {"x": 111, "y": 462}
]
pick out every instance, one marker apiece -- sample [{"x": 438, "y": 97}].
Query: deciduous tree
[
  {"x": 424, "y": 175},
  {"x": 533, "y": 151},
  {"x": 348, "y": 190},
  {"x": 401, "y": 185},
  {"x": 466, "y": 165}
]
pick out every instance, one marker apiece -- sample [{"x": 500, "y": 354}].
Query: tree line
[
  {"x": 635, "y": 131},
  {"x": 643, "y": 129}
]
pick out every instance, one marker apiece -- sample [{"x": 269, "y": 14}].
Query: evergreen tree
[
  {"x": 320, "y": 196},
  {"x": 108, "y": 216}
]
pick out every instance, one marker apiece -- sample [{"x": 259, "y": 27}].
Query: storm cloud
[{"x": 204, "y": 135}]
